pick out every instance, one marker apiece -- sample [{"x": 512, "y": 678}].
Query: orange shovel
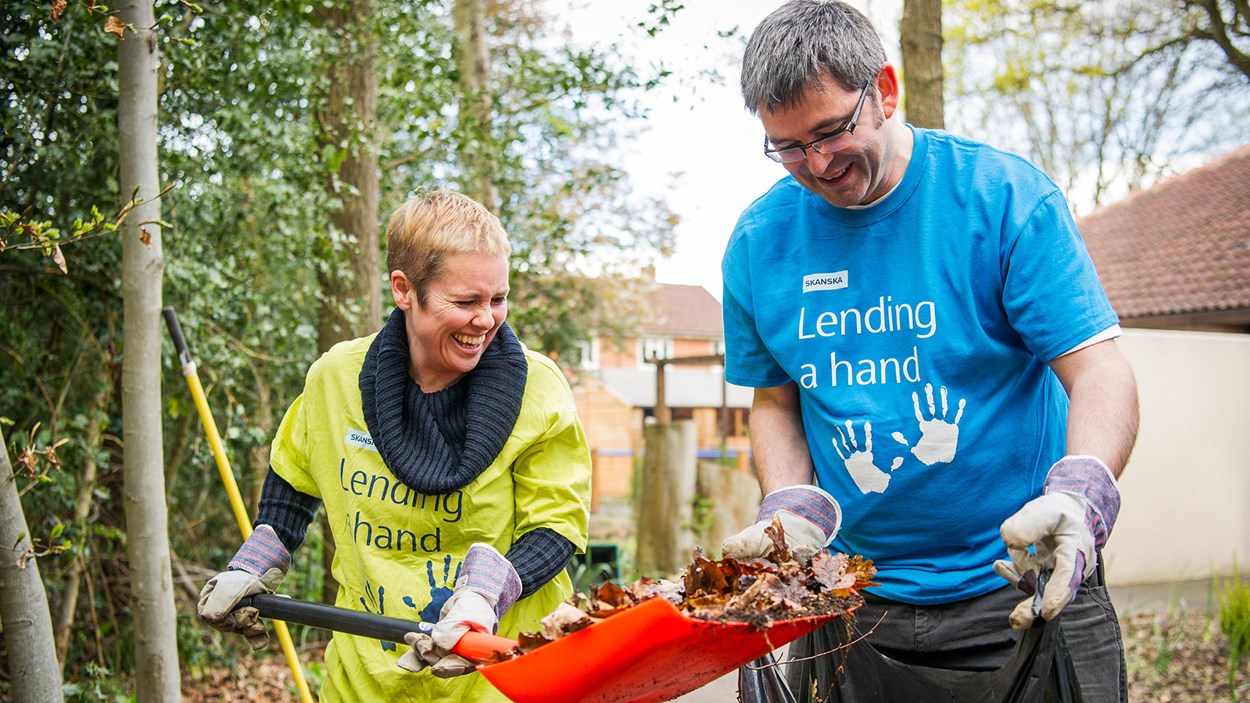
[{"x": 648, "y": 652}]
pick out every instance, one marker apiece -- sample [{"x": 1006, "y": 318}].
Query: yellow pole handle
[
  {"x": 219, "y": 451},
  {"x": 232, "y": 490}
]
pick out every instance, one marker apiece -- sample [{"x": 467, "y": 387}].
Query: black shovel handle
[{"x": 329, "y": 617}]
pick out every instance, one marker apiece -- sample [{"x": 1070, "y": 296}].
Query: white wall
[{"x": 1187, "y": 486}]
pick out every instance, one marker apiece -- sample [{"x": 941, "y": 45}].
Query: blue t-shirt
[{"x": 918, "y": 331}]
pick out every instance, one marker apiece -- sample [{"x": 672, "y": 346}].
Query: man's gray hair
[{"x": 801, "y": 40}]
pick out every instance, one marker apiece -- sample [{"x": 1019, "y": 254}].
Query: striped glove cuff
[
  {"x": 1090, "y": 478},
  {"x": 489, "y": 573},
  {"x": 808, "y": 502},
  {"x": 260, "y": 553}
]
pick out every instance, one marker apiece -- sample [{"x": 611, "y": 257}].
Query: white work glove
[
  {"x": 1065, "y": 526},
  {"x": 424, "y": 652},
  {"x": 487, "y": 586},
  {"x": 258, "y": 567},
  {"x": 809, "y": 516}
]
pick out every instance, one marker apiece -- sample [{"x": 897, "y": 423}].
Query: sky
[{"x": 702, "y": 150}]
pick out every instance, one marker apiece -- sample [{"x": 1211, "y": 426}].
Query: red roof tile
[
  {"x": 684, "y": 311},
  {"x": 1181, "y": 246}
]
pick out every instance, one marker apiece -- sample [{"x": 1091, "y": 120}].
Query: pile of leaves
[{"x": 758, "y": 592}]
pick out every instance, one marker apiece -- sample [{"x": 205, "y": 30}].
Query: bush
[{"x": 1235, "y": 622}]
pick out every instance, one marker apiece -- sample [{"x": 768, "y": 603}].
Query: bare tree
[
  {"x": 156, "y": 651},
  {"x": 1104, "y": 97},
  {"x": 1224, "y": 22}
]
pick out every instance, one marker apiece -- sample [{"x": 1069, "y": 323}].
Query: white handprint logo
[
  {"x": 859, "y": 463},
  {"x": 938, "y": 438}
]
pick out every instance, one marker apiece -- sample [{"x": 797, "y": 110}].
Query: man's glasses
[{"x": 828, "y": 144}]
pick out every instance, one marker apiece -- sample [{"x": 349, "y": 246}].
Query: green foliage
[
  {"x": 248, "y": 169},
  {"x": 47, "y": 238},
  {"x": 702, "y": 516},
  {"x": 586, "y": 574},
  {"x": 1235, "y": 623},
  {"x": 98, "y": 684}
]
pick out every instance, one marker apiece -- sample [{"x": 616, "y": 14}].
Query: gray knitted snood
[{"x": 439, "y": 442}]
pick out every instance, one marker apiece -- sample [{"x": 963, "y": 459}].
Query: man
[{"x": 927, "y": 337}]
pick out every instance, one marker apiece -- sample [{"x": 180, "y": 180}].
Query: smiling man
[{"x": 953, "y": 405}]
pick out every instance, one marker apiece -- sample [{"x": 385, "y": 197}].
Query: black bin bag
[{"x": 1039, "y": 670}]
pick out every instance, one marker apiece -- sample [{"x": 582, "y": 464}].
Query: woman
[{"x": 445, "y": 454}]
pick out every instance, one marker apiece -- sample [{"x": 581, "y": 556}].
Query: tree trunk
[
  {"x": 666, "y": 509},
  {"x": 152, "y": 593},
  {"x": 476, "y": 111},
  {"x": 351, "y": 306},
  {"x": 23, "y": 604},
  {"x": 920, "y": 36}
]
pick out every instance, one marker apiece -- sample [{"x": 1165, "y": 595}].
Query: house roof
[
  {"x": 683, "y": 387},
  {"x": 683, "y": 311},
  {"x": 1181, "y": 247}
]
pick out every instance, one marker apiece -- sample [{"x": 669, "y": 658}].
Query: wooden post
[
  {"x": 665, "y": 510},
  {"x": 662, "y": 414},
  {"x": 595, "y": 473},
  {"x": 744, "y": 461},
  {"x": 732, "y": 497}
]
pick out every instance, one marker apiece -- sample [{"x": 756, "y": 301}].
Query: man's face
[{"x": 857, "y": 174}]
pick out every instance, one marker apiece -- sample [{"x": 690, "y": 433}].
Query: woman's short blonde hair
[{"x": 433, "y": 224}]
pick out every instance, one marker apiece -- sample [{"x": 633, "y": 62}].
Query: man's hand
[
  {"x": 809, "y": 516},
  {"x": 1065, "y": 526},
  {"x": 258, "y": 567}
]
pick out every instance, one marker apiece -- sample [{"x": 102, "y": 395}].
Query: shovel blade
[{"x": 650, "y": 652}]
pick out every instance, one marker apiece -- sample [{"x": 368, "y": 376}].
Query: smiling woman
[
  {"x": 449, "y": 276},
  {"x": 463, "y": 309},
  {"x": 442, "y": 407}
]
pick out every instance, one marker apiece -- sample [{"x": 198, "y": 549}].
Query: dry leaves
[
  {"x": 112, "y": 25},
  {"x": 758, "y": 592}
]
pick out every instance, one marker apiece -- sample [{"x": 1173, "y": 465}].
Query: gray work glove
[
  {"x": 1065, "y": 527},
  {"x": 810, "y": 517},
  {"x": 258, "y": 567}
]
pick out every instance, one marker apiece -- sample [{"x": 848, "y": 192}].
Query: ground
[
  {"x": 1180, "y": 659},
  {"x": 1172, "y": 658}
]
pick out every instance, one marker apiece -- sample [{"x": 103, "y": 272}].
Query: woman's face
[{"x": 463, "y": 310}]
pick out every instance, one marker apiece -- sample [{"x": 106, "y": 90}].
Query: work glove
[
  {"x": 424, "y": 652},
  {"x": 258, "y": 567},
  {"x": 487, "y": 586},
  {"x": 1065, "y": 527},
  {"x": 809, "y": 516}
]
